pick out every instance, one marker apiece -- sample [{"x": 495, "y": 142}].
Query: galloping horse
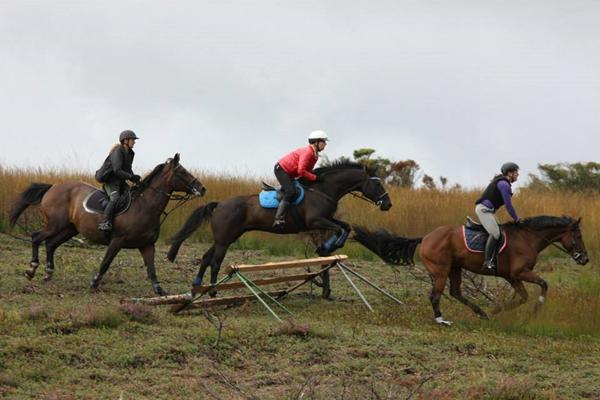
[
  {"x": 444, "y": 254},
  {"x": 232, "y": 217},
  {"x": 138, "y": 228}
]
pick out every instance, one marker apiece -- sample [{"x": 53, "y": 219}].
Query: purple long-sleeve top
[{"x": 506, "y": 192}]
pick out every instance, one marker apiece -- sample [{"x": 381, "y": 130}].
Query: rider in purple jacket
[{"x": 497, "y": 194}]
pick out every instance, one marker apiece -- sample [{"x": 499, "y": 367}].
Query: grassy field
[{"x": 58, "y": 340}]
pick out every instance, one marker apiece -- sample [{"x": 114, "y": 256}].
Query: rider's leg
[
  {"x": 488, "y": 220},
  {"x": 113, "y": 190},
  {"x": 287, "y": 187}
]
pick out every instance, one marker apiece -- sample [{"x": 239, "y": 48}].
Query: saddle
[
  {"x": 475, "y": 236},
  {"x": 97, "y": 201},
  {"x": 270, "y": 196}
]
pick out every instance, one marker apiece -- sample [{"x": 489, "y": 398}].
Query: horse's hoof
[
  {"x": 47, "y": 278},
  {"x": 159, "y": 291},
  {"x": 484, "y": 316},
  {"x": 326, "y": 294},
  {"x": 29, "y": 274},
  {"x": 442, "y": 321}
]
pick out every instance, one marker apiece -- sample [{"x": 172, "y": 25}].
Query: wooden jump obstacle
[{"x": 193, "y": 300}]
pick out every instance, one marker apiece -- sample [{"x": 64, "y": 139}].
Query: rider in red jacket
[{"x": 297, "y": 164}]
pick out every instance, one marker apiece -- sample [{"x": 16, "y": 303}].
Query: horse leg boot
[
  {"x": 281, "y": 212},
  {"x": 490, "y": 254}
]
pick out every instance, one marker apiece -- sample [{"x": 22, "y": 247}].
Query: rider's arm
[
  {"x": 116, "y": 161},
  {"x": 506, "y": 193},
  {"x": 305, "y": 164}
]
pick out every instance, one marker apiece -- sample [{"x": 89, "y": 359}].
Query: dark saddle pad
[
  {"x": 97, "y": 201},
  {"x": 475, "y": 236}
]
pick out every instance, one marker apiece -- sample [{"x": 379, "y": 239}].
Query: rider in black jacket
[{"x": 114, "y": 172}]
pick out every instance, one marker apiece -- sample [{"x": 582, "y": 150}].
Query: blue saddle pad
[
  {"x": 270, "y": 198},
  {"x": 475, "y": 240}
]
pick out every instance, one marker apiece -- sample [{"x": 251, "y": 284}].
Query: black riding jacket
[{"x": 117, "y": 165}]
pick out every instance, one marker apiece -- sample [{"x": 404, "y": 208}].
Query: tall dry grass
[{"x": 415, "y": 212}]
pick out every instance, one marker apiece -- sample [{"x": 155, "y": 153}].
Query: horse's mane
[
  {"x": 543, "y": 222},
  {"x": 342, "y": 165},
  {"x": 145, "y": 183}
]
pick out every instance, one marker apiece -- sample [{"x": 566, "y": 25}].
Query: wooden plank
[
  {"x": 265, "y": 281},
  {"x": 157, "y": 301},
  {"x": 309, "y": 262},
  {"x": 226, "y": 301}
]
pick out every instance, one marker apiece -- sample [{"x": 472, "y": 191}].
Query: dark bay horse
[
  {"x": 232, "y": 217},
  {"x": 138, "y": 228},
  {"x": 443, "y": 253}
]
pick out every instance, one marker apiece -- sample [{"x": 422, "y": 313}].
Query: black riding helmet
[
  {"x": 127, "y": 134},
  {"x": 509, "y": 167}
]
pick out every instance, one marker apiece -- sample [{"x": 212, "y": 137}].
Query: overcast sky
[{"x": 458, "y": 86}]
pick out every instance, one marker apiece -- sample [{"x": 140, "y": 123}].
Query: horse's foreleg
[
  {"x": 455, "y": 291},
  {"x": 519, "y": 297},
  {"x": 528, "y": 275},
  {"x": 334, "y": 242},
  {"x": 52, "y": 243},
  {"x": 112, "y": 250},
  {"x": 147, "y": 253}
]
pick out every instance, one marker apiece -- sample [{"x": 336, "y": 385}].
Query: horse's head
[
  {"x": 181, "y": 180},
  {"x": 572, "y": 240},
  {"x": 373, "y": 189}
]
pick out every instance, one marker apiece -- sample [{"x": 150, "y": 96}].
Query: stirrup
[
  {"x": 489, "y": 265},
  {"x": 105, "y": 226},
  {"x": 279, "y": 222}
]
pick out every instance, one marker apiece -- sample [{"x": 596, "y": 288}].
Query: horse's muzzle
[
  {"x": 200, "y": 192},
  {"x": 580, "y": 258}
]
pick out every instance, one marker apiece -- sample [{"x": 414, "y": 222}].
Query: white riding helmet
[{"x": 317, "y": 135}]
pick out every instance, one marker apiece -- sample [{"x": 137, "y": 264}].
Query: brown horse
[
  {"x": 138, "y": 228},
  {"x": 443, "y": 253}
]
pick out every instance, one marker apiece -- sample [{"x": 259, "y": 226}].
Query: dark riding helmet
[
  {"x": 127, "y": 134},
  {"x": 509, "y": 167}
]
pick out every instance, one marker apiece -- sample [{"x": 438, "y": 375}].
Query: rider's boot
[
  {"x": 106, "y": 224},
  {"x": 280, "y": 214},
  {"x": 490, "y": 254}
]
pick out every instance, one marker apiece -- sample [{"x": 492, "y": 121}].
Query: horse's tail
[
  {"x": 193, "y": 223},
  {"x": 29, "y": 197},
  {"x": 391, "y": 248}
]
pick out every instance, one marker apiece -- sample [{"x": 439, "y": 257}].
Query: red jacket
[{"x": 300, "y": 162}]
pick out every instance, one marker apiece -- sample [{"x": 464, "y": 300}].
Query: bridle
[
  {"x": 576, "y": 253},
  {"x": 378, "y": 201},
  {"x": 180, "y": 198}
]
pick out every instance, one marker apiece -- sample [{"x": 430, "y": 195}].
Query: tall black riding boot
[
  {"x": 280, "y": 214},
  {"x": 106, "y": 224},
  {"x": 490, "y": 253}
]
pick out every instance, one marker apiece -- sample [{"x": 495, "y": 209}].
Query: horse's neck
[
  {"x": 340, "y": 188},
  {"x": 543, "y": 238},
  {"x": 155, "y": 197}
]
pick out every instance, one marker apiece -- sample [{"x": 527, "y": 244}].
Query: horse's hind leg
[
  {"x": 439, "y": 275},
  {"x": 52, "y": 243},
  {"x": 206, "y": 259},
  {"x": 36, "y": 240},
  {"x": 455, "y": 291}
]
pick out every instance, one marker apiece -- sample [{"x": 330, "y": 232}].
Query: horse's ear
[
  {"x": 578, "y": 221},
  {"x": 176, "y": 159}
]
